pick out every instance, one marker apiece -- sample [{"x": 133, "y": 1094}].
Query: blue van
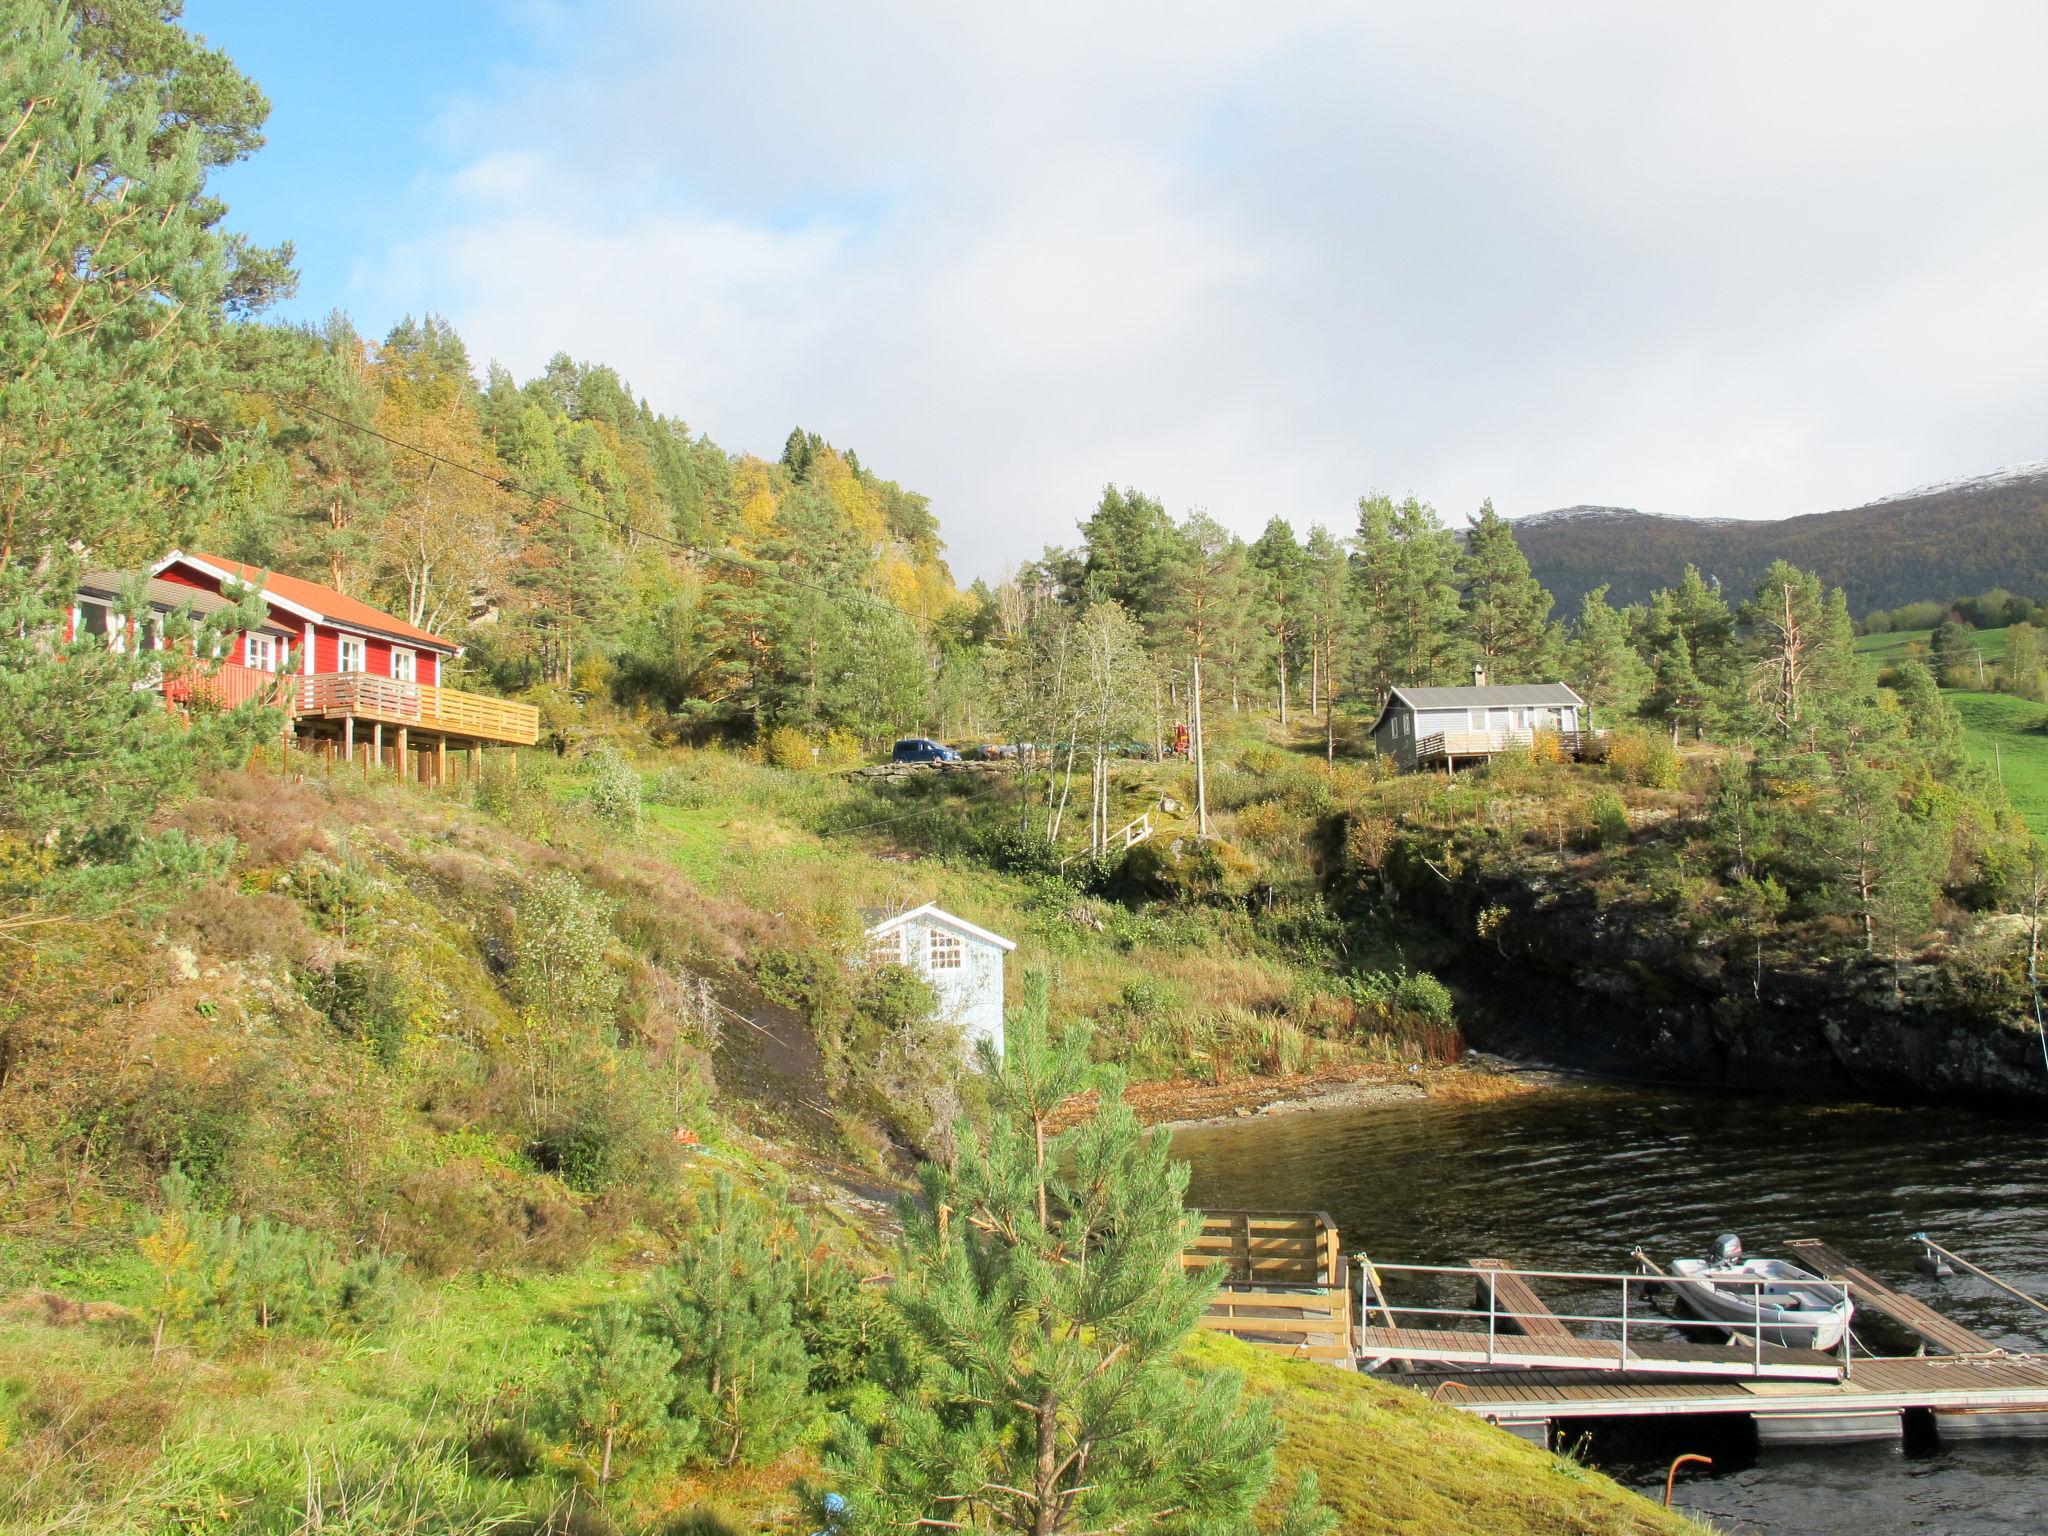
[{"x": 920, "y": 749}]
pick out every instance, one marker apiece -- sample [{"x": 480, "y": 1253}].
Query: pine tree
[
  {"x": 1507, "y": 610},
  {"x": 1282, "y": 572},
  {"x": 1041, "y": 1280},
  {"x": 1801, "y": 649},
  {"x": 616, "y": 1388},
  {"x": 1603, "y": 666},
  {"x": 1408, "y": 590},
  {"x": 1327, "y": 604},
  {"x": 726, "y": 1306},
  {"x": 109, "y": 354}
]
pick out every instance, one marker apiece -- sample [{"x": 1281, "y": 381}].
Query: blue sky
[
  {"x": 1733, "y": 260},
  {"x": 358, "y": 94}
]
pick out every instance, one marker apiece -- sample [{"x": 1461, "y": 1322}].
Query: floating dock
[
  {"x": 1513, "y": 1359},
  {"x": 1910, "y": 1313},
  {"x": 1970, "y": 1396}
]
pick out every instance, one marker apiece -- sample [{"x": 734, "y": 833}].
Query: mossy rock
[{"x": 1190, "y": 869}]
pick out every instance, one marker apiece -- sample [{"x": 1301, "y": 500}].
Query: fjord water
[{"x": 1573, "y": 1179}]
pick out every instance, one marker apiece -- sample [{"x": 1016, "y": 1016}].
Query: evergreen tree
[
  {"x": 1041, "y": 1281},
  {"x": 616, "y": 1390},
  {"x": 1801, "y": 649},
  {"x": 1953, "y": 651},
  {"x": 1603, "y": 666},
  {"x": 1281, "y": 568},
  {"x": 1327, "y": 605},
  {"x": 108, "y": 355},
  {"x": 1132, "y": 550},
  {"x": 1507, "y": 610},
  {"x": 726, "y": 1306},
  {"x": 1408, "y": 589}
]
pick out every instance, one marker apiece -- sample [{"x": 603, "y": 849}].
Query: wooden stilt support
[
  {"x": 441, "y": 762},
  {"x": 403, "y": 766},
  {"x": 377, "y": 743},
  {"x": 348, "y": 737}
]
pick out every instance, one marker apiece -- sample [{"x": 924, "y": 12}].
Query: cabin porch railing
[
  {"x": 226, "y": 685},
  {"x": 1444, "y": 745},
  {"x": 394, "y": 701}
]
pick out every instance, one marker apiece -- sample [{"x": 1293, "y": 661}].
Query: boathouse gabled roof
[{"x": 932, "y": 910}]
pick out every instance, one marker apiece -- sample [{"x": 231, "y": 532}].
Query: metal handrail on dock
[{"x": 1417, "y": 1343}]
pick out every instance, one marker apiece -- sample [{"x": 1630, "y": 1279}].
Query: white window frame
[
  {"x": 405, "y": 664},
  {"x": 346, "y": 646},
  {"x": 261, "y": 652},
  {"x": 945, "y": 950},
  {"x": 886, "y": 948}
]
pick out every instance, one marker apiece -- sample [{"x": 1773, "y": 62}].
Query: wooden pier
[
  {"x": 1910, "y": 1313},
  {"x": 1868, "y": 1405},
  {"x": 1512, "y": 1358}
]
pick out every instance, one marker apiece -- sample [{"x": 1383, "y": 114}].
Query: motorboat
[{"x": 1787, "y": 1305}]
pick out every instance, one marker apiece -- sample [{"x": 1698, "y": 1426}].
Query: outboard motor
[{"x": 1727, "y": 1251}]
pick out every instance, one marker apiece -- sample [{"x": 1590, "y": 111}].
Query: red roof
[{"x": 332, "y": 606}]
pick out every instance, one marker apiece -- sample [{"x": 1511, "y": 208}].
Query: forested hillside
[{"x": 1939, "y": 544}]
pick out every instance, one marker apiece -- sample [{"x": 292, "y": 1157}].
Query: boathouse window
[
  {"x": 404, "y": 664},
  {"x": 887, "y": 948},
  {"x": 351, "y": 655},
  {"x": 948, "y": 953}
]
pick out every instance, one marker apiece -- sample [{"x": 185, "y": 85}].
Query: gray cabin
[{"x": 1443, "y": 727}]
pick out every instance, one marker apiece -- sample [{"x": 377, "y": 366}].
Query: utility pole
[{"x": 1201, "y": 780}]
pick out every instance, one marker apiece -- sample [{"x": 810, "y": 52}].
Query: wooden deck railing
[
  {"x": 1444, "y": 745},
  {"x": 365, "y": 696},
  {"x": 228, "y": 684}
]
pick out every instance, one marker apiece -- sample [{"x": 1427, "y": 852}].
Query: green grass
[
  {"x": 1998, "y": 730},
  {"x": 1900, "y": 643},
  {"x": 2007, "y": 733},
  {"x": 1392, "y": 1463}
]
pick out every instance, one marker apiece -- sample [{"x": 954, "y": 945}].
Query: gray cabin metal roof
[{"x": 1469, "y": 697}]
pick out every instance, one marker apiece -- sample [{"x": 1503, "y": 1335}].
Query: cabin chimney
[{"x": 1478, "y": 674}]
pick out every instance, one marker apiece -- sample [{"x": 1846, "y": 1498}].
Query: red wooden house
[{"x": 352, "y": 678}]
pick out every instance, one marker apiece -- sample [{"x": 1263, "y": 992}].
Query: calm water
[{"x": 1574, "y": 1179}]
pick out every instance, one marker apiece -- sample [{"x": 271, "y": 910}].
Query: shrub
[
  {"x": 1643, "y": 757},
  {"x": 217, "y": 1276},
  {"x": 790, "y": 748},
  {"x": 1402, "y": 991},
  {"x": 607, "y": 1124},
  {"x": 1607, "y": 818},
  {"x": 842, "y": 750},
  {"x": 614, "y": 797}
]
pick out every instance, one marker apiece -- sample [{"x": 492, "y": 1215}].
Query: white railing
[{"x": 1635, "y": 1290}]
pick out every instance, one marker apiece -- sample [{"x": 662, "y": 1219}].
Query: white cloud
[{"x": 1712, "y": 260}]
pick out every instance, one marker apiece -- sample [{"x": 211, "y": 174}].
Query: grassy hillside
[
  {"x": 2002, "y": 732},
  {"x": 2011, "y": 735},
  {"x": 1375, "y": 1447},
  {"x": 316, "y": 998},
  {"x": 1963, "y": 539}
]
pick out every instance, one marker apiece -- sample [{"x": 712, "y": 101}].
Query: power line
[{"x": 512, "y": 487}]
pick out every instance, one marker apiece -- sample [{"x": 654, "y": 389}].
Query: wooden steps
[{"x": 1866, "y": 1290}]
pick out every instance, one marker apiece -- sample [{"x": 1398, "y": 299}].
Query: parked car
[{"x": 922, "y": 749}]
